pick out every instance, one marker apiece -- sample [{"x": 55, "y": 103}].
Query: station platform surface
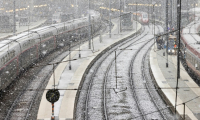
[
  {"x": 66, "y": 79},
  {"x": 21, "y": 29},
  {"x": 166, "y": 78}
]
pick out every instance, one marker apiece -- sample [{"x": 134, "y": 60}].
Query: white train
[
  {"x": 19, "y": 52},
  {"x": 142, "y": 17}
]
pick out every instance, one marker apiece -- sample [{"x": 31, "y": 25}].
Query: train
[
  {"x": 190, "y": 44},
  {"x": 19, "y": 52},
  {"x": 141, "y": 17}
]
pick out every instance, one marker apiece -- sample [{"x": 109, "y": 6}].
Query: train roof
[
  {"x": 18, "y": 36},
  {"x": 41, "y": 28},
  {"x": 191, "y": 37},
  {"x": 6, "y": 45},
  {"x": 5, "y": 42}
]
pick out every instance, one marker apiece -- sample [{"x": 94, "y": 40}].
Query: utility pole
[
  {"x": 187, "y": 13},
  {"x": 166, "y": 30},
  {"x": 178, "y": 52},
  {"x": 89, "y": 27},
  {"x": 14, "y": 21},
  {"x": 178, "y": 35}
]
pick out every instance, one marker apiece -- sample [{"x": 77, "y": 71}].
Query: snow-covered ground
[{"x": 107, "y": 91}]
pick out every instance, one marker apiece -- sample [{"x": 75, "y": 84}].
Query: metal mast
[
  {"x": 14, "y": 22},
  {"x": 89, "y": 27},
  {"x": 109, "y": 19},
  {"x": 166, "y": 31},
  {"x": 178, "y": 52}
]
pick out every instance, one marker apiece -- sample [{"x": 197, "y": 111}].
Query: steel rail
[
  {"x": 148, "y": 89},
  {"x": 131, "y": 81},
  {"x": 104, "y": 91},
  {"x": 30, "y": 100}
]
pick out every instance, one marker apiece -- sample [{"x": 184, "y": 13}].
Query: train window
[
  {"x": 189, "y": 58},
  {"x": 198, "y": 65},
  {"x": 193, "y": 60}
]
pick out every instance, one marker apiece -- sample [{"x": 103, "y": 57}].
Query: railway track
[
  {"x": 143, "y": 103},
  {"x": 107, "y": 87},
  {"x": 22, "y": 105},
  {"x": 94, "y": 73}
]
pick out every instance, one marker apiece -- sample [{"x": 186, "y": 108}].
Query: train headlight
[{"x": 173, "y": 51}]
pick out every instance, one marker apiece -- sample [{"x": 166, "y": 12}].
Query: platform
[
  {"x": 69, "y": 79},
  {"x": 166, "y": 79}
]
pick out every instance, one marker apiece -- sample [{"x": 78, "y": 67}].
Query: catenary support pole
[
  {"x": 136, "y": 18},
  {"x": 171, "y": 14},
  {"x": 14, "y": 21},
  {"x": 154, "y": 16},
  {"x": 166, "y": 31},
  {"x": 178, "y": 52},
  {"x": 70, "y": 56},
  {"x": 116, "y": 68},
  {"x": 183, "y": 111},
  {"x": 120, "y": 13},
  {"x": 89, "y": 27},
  {"x": 79, "y": 46},
  {"x": 109, "y": 19}
]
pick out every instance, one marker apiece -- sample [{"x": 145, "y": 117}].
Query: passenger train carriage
[
  {"x": 190, "y": 47},
  {"x": 19, "y": 52}
]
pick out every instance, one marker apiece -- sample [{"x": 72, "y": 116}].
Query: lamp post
[
  {"x": 178, "y": 52},
  {"x": 79, "y": 46},
  {"x": 153, "y": 3},
  {"x": 70, "y": 54},
  {"x": 166, "y": 31}
]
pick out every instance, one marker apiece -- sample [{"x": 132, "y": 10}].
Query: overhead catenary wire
[{"x": 91, "y": 56}]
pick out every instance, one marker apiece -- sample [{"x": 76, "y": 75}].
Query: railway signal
[{"x": 52, "y": 96}]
